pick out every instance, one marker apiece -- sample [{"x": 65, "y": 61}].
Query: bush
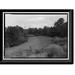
[{"x": 55, "y": 51}]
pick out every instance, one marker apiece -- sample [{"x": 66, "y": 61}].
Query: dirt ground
[{"x": 32, "y": 48}]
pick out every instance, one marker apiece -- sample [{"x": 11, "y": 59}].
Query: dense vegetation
[
  {"x": 17, "y": 35},
  {"x": 14, "y": 36},
  {"x": 60, "y": 29}
]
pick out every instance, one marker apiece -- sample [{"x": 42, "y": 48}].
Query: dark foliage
[
  {"x": 17, "y": 35},
  {"x": 60, "y": 29},
  {"x": 14, "y": 36}
]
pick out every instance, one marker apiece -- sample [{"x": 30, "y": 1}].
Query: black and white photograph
[{"x": 37, "y": 36}]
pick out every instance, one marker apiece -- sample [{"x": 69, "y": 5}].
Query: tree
[
  {"x": 64, "y": 30},
  {"x": 59, "y": 22},
  {"x": 14, "y": 36}
]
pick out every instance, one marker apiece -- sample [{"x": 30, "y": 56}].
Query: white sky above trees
[{"x": 32, "y": 21}]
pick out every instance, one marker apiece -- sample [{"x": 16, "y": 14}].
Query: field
[{"x": 39, "y": 46}]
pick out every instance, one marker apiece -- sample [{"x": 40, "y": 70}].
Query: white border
[{"x": 35, "y": 58}]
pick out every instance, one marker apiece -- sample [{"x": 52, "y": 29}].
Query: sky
[{"x": 32, "y": 21}]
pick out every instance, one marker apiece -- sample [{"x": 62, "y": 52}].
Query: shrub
[{"x": 55, "y": 51}]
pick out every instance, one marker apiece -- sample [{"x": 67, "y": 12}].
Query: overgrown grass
[{"x": 58, "y": 48}]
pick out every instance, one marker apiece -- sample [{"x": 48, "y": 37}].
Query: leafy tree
[
  {"x": 59, "y": 22},
  {"x": 14, "y": 36}
]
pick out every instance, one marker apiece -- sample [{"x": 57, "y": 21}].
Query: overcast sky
[{"x": 30, "y": 21}]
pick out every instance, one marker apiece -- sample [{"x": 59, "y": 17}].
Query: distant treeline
[
  {"x": 17, "y": 35},
  {"x": 60, "y": 29}
]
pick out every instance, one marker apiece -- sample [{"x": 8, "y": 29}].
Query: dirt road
[{"x": 33, "y": 43}]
